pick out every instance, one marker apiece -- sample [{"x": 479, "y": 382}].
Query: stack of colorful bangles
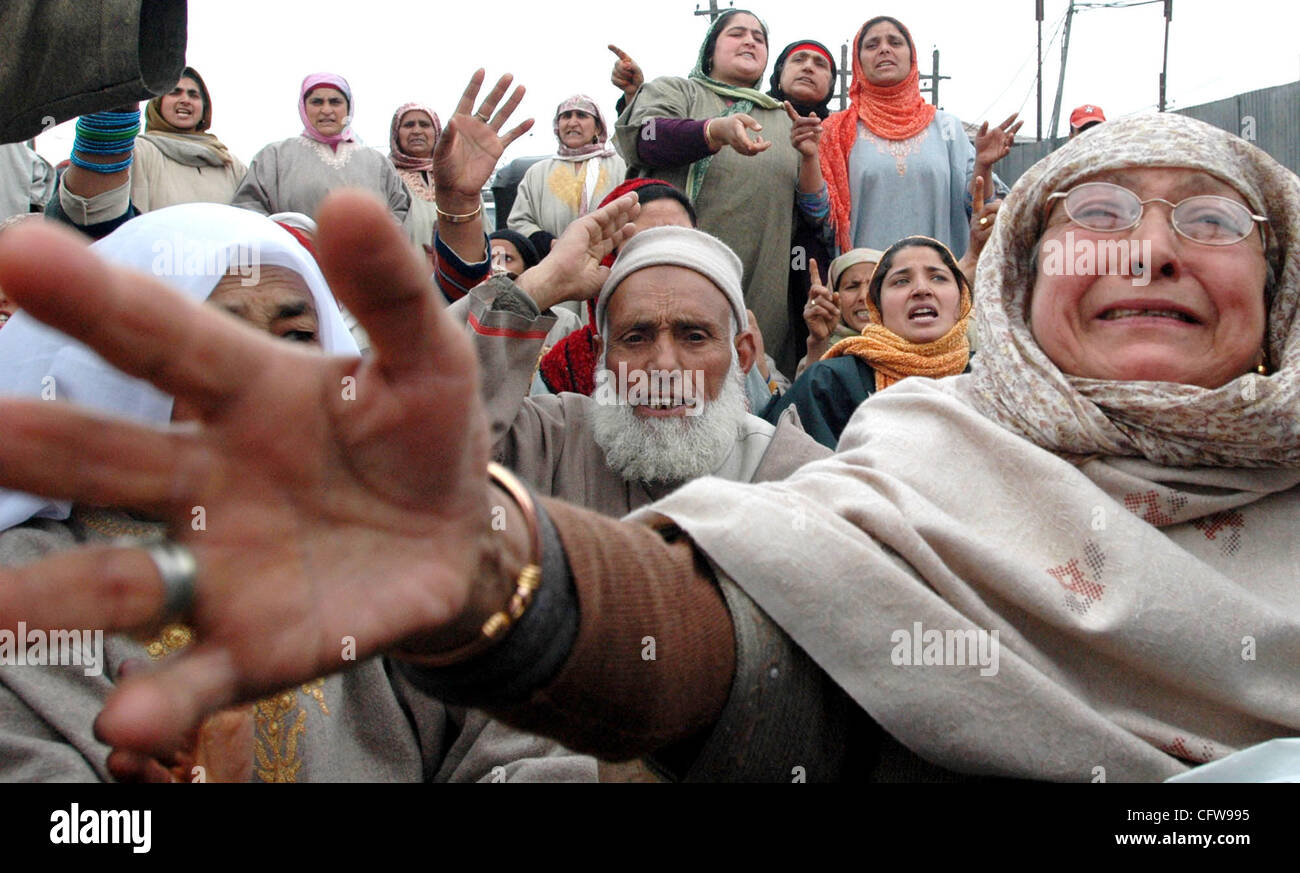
[{"x": 106, "y": 133}]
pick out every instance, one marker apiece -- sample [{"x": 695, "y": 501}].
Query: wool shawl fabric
[
  {"x": 743, "y": 100},
  {"x": 194, "y": 147},
  {"x": 326, "y": 80},
  {"x": 1138, "y": 574},
  {"x": 894, "y": 112}
]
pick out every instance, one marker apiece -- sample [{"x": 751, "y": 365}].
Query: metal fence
[{"x": 1269, "y": 117}]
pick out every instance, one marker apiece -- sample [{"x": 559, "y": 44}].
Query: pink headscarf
[
  {"x": 328, "y": 80},
  {"x": 601, "y": 147},
  {"x": 401, "y": 159}
]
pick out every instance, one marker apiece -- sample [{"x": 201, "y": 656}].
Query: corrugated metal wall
[{"x": 1270, "y": 118}]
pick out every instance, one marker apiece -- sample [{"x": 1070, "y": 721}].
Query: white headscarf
[{"x": 190, "y": 247}]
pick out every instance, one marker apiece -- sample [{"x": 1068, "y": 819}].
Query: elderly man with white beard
[{"x": 670, "y": 401}]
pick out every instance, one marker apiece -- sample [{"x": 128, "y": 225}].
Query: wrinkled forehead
[
  {"x": 270, "y": 285},
  {"x": 667, "y": 289}
]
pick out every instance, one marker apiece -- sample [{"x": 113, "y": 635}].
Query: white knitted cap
[{"x": 678, "y": 247}]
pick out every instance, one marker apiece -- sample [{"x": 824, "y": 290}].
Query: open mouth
[
  {"x": 1118, "y": 313},
  {"x": 923, "y": 313}
]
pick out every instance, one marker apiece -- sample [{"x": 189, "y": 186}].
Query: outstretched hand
[
  {"x": 346, "y": 500},
  {"x": 994, "y": 144},
  {"x": 733, "y": 130},
  {"x": 572, "y": 270}
]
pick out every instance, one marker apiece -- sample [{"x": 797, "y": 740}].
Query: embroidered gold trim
[
  {"x": 899, "y": 149},
  {"x": 277, "y": 757}
]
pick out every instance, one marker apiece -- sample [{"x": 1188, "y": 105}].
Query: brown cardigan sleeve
[{"x": 655, "y": 638}]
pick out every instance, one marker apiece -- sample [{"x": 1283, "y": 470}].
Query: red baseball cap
[{"x": 1085, "y": 114}]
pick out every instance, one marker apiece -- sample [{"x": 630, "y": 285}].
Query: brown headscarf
[{"x": 163, "y": 135}]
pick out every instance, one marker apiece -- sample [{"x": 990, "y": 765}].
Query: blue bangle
[{"x": 102, "y": 168}]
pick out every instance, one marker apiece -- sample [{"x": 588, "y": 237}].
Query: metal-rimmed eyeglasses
[{"x": 1205, "y": 218}]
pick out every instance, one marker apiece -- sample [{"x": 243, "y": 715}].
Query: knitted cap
[{"x": 677, "y": 247}]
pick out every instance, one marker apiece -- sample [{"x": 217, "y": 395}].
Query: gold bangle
[
  {"x": 495, "y": 627},
  {"x": 458, "y": 219}
]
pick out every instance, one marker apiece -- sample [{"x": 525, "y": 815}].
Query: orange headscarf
[{"x": 893, "y": 112}]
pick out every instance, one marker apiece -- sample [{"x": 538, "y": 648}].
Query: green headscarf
[{"x": 744, "y": 99}]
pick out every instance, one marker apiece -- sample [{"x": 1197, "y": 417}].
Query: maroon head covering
[{"x": 401, "y": 159}]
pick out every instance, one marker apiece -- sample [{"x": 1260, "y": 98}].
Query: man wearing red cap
[{"x": 1084, "y": 117}]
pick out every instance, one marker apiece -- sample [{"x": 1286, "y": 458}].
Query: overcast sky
[{"x": 253, "y": 55}]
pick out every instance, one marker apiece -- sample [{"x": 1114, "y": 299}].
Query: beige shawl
[{"x": 1132, "y": 546}]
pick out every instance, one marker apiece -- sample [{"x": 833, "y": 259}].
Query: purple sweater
[{"x": 672, "y": 142}]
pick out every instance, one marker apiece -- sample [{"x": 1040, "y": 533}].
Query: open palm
[{"x": 344, "y": 502}]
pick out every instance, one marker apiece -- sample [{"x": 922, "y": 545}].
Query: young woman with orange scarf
[
  {"x": 895, "y": 165},
  {"x": 919, "y": 303}
]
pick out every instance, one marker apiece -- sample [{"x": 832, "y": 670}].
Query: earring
[{"x": 1262, "y": 370}]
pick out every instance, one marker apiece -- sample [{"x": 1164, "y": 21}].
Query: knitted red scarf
[{"x": 891, "y": 112}]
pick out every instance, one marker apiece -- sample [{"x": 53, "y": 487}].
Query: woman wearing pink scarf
[{"x": 295, "y": 174}]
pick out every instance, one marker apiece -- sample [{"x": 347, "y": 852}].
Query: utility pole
[
  {"x": 1164, "y": 66},
  {"x": 713, "y": 12},
  {"x": 934, "y": 78},
  {"x": 1038, "y": 14},
  {"x": 846, "y": 73},
  {"x": 1060, "y": 86}
]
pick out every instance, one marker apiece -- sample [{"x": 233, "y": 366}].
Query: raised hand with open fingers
[
  {"x": 994, "y": 144},
  {"x": 573, "y": 270},
  {"x": 344, "y": 498},
  {"x": 472, "y": 142}
]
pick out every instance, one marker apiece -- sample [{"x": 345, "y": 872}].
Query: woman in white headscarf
[{"x": 357, "y": 726}]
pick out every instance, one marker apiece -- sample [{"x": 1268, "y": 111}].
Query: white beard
[{"x": 671, "y": 449}]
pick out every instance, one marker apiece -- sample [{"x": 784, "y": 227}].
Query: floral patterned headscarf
[{"x": 1251, "y": 421}]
